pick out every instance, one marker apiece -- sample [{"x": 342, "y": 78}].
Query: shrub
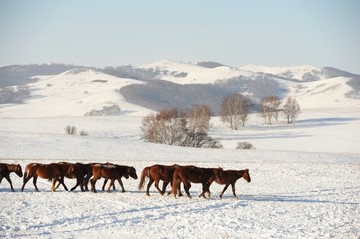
[
  {"x": 70, "y": 130},
  {"x": 244, "y": 145},
  {"x": 83, "y": 133}
]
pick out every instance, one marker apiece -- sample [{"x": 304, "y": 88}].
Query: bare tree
[
  {"x": 198, "y": 118},
  {"x": 71, "y": 130},
  {"x": 291, "y": 110},
  {"x": 201, "y": 140},
  {"x": 165, "y": 127},
  {"x": 170, "y": 127},
  {"x": 235, "y": 108},
  {"x": 269, "y": 108}
]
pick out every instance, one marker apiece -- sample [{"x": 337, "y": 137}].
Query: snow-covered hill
[
  {"x": 82, "y": 90},
  {"x": 73, "y": 93},
  {"x": 186, "y": 73}
]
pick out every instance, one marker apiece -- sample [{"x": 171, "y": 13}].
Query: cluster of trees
[
  {"x": 173, "y": 127},
  {"x": 106, "y": 110},
  {"x": 235, "y": 109},
  {"x": 14, "y": 95},
  {"x": 190, "y": 128}
]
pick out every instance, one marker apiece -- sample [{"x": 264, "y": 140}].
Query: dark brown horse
[
  {"x": 6, "y": 169},
  {"x": 192, "y": 174},
  {"x": 229, "y": 177},
  {"x": 112, "y": 172},
  {"x": 73, "y": 170},
  {"x": 155, "y": 173},
  {"x": 89, "y": 174},
  {"x": 46, "y": 171}
]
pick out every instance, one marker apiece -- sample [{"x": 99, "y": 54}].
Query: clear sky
[{"x": 113, "y": 33}]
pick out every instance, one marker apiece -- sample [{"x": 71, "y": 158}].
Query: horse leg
[
  {"x": 187, "y": 186},
  {"x": 180, "y": 193},
  {"x": 164, "y": 187},
  {"x": 26, "y": 179},
  {"x": 226, "y": 186},
  {"x": 233, "y": 189},
  {"x": 151, "y": 180},
  {"x": 61, "y": 180},
  {"x": 103, "y": 187},
  {"x": 53, "y": 188},
  {"x": 121, "y": 184},
  {"x": 110, "y": 185},
  {"x": 93, "y": 181},
  {"x": 86, "y": 181},
  {"x": 78, "y": 182},
  {"x": 34, "y": 182},
  {"x": 157, "y": 187},
  {"x": 205, "y": 188},
  {"x": 9, "y": 180}
]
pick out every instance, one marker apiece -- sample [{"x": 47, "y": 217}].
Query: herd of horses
[{"x": 91, "y": 172}]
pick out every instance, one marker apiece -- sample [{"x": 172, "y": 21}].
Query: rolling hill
[{"x": 41, "y": 91}]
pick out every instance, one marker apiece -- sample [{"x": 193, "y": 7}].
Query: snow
[
  {"x": 305, "y": 181},
  {"x": 305, "y": 176},
  {"x": 195, "y": 74},
  {"x": 74, "y": 93},
  {"x": 295, "y": 72}
]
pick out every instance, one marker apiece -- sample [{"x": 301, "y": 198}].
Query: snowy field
[{"x": 305, "y": 181}]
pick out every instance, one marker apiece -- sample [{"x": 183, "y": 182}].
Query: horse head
[
  {"x": 246, "y": 175},
  {"x": 18, "y": 171},
  {"x": 132, "y": 172}
]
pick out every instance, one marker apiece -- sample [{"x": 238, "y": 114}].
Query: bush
[
  {"x": 170, "y": 127},
  {"x": 245, "y": 145},
  {"x": 83, "y": 133},
  {"x": 70, "y": 130}
]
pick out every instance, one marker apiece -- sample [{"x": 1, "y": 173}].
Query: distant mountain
[{"x": 34, "y": 90}]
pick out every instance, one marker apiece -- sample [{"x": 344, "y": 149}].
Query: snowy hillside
[
  {"x": 81, "y": 91},
  {"x": 185, "y": 73},
  {"x": 72, "y": 93}
]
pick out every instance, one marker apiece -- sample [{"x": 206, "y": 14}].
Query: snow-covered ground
[
  {"x": 305, "y": 180},
  {"x": 305, "y": 176}
]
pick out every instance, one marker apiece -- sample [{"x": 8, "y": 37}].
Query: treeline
[
  {"x": 190, "y": 128},
  {"x": 159, "y": 94}
]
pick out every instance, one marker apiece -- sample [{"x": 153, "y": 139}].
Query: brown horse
[
  {"x": 229, "y": 177},
  {"x": 192, "y": 174},
  {"x": 6, "y": 169},
  {"x": 112, "y": 172},
  {"x": 73, "y": 170},
  {"x": 155, "y": 173},
  {"x": 89, "y": 174},
  {"x": 46, "y": 171}
]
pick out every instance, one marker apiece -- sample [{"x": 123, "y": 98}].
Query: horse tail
[
  {"x": 145, "y": 173},
  {"x": 175, "y": 181},
  {"x": 26, "y": 171}
]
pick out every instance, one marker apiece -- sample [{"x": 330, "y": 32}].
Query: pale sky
[{"x": 236, "y": 33}]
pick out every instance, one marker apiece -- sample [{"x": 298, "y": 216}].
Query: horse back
[
  {"x": 48, "y": 171},
  {"x": 196, "y": 174},
  {"x": 162, "y": 172}
]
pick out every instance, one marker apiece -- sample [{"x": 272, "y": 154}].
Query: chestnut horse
[
  {"x": 155, "y": 173},
  {"x": 192, "y": 174},
  {"x": 6, "y": 169},
  {"x": 112, "y": 172},
  {"x": 73, "y": 170},
  {"x": 46, "y": 171},
  {"x": 229, "y": 177}
]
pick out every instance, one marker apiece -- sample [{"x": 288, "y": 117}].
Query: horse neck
[
  {"x": 12, "y": 167},
  {"x": 240, "y": 173}
]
